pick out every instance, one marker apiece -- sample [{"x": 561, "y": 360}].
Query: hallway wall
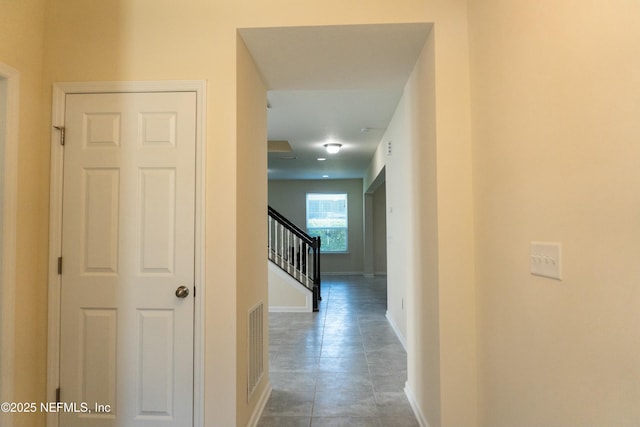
[
  {"x": 22, "y": 48},
  {"x": 252, "y": 283},
  {"x": 380, "y": 230},
  {"x": 431, "y": 292},
  {"x": 555, "y": 112}
]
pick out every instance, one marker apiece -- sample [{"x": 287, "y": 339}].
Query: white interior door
[{"x": 126, "y": 346}]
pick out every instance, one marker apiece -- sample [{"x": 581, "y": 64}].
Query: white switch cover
[{"x": 546, "y": 259}]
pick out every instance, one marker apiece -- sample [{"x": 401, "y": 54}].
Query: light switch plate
[{"x": 546, "y": 259}]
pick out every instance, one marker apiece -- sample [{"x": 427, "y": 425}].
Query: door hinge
[
  {"x": 59, "y": 265},
  {"x": 62, "y": 133},
  {"x": 194, "y": 291},
  {"x": 58, "y": 395}
]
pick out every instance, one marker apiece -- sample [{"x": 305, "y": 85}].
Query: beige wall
[
  {"x": 21, "y": 47},
  {"x": 431, "y": 298},
  {"x": 414, "y": 281},
  {"x": 400, "y": 217},
  {"x": 251, "y": 235},
  {"x": 555, "y": 128},
  {"x": 289, "y": 198}
]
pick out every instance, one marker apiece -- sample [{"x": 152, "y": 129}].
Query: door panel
[{"x": 128, "y": 243}]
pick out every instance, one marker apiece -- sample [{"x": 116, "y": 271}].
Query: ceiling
[{"x": 333, "y": 82}]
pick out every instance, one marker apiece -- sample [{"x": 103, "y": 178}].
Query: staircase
[{"x": 295, "y": 252}]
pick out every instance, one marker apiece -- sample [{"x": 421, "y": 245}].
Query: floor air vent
[{"x": 256, "y": 348}]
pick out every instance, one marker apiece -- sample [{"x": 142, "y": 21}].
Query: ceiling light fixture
[
  {"x": 321, "y": 159},
  {"x": 333, "y": 148}
]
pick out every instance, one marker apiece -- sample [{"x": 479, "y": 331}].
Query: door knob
[{"x": 182, "y": 292}]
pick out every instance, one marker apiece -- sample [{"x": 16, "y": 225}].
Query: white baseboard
[
  {"x": 257, "y": 412},
  {"x": 342, "y": 273},
  {"x": 277, "y": 309},
  {"x": 422, "y": 420},
  {"x": 397, "y": 331},
  {"x": 354, "y": 273}
]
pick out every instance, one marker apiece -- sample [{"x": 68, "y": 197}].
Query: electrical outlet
[{"x": 546, "y": 259}]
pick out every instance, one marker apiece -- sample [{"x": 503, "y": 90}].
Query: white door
[{"x": 126, "y": 350}]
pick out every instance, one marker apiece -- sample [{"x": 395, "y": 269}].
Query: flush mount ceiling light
[{"x": 333, "y": 148}]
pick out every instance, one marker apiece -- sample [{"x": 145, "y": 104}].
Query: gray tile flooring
[{"x": 342, "y": 366}]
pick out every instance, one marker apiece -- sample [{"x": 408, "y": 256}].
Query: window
[{"x": 327, "y": 217}]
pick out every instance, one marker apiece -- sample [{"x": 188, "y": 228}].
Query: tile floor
[{"x": 342, "y": 366}]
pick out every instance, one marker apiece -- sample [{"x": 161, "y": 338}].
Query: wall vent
[{"x": 255, "y": 348}]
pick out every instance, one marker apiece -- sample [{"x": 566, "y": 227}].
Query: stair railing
[{"x": 295, "y": 252}]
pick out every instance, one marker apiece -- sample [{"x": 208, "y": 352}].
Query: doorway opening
[
  {"x": 341, "y": 86},
  {"x": 333, "y": 75}
]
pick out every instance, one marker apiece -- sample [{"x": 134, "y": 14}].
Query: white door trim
[
  {"x": 11, "y": 79},
  {"x": 60, "y": 90}
]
